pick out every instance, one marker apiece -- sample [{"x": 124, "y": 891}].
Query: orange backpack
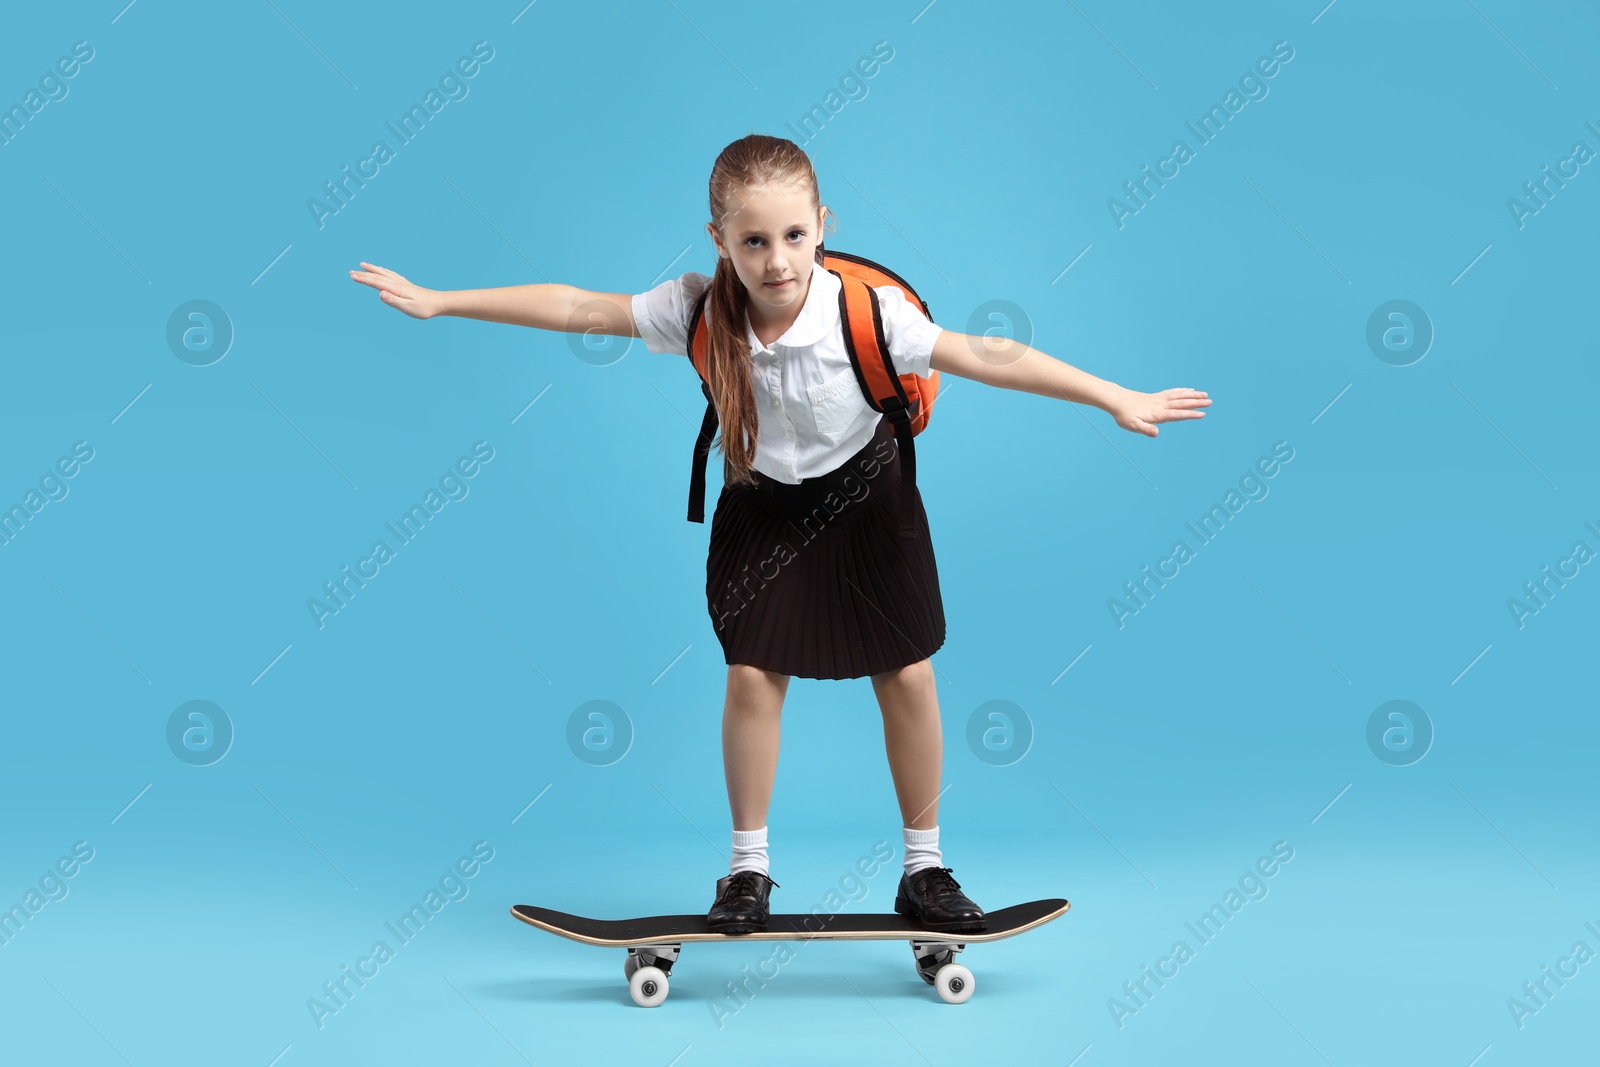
[{"x": 907, "y": 399}]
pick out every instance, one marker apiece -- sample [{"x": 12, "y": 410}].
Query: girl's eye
[{"x": 802, "y": 233}]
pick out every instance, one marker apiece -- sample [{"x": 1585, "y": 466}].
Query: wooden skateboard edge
[{"x": 797, "y": 935}]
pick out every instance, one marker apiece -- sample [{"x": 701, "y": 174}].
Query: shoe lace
[
  {"x": 742, "y": 883},
  {"x": 938, "y": 880}
]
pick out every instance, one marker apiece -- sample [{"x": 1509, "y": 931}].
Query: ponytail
[
  {"x": 728, "y": 373},
  {"x": 751, "y": 161}
]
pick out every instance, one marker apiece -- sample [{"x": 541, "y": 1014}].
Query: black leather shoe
[
  {"x": 741, "y": 904},
  {"x": 933, "y": 898}
]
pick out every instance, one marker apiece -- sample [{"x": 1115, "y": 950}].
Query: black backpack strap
[
  {"x": 901, "y": 417},
  {"x": 702, "y": 449},
  {"x": 708, "y": 425}
]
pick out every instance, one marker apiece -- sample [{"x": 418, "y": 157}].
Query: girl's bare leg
[
  {"x": 912, "y": 739},
  {"x": 750, "y": 716}
]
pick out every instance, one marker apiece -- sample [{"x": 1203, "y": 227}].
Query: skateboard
[{"x": 653, "y": 942}]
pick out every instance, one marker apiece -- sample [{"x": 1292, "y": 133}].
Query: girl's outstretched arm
[
  {"x": 1008, "y": 364},
  {"x": 546, "y": 307}
]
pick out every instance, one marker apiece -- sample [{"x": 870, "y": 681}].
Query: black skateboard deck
[
  {"x": 653, "y": 941},
  {"x": 621, "y": 933}
]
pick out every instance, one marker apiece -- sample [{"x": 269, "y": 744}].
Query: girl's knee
[
  {"x": 746, "y": 678},
  {"x": 911, "y": 673}
]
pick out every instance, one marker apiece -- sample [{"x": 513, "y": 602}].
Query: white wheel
[
  {"x": 954, "y": 983},
  {"x": 630, "y": 965},
  {"x": 648, "y": 986}
]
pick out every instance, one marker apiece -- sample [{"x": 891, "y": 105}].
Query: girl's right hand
[{"x": 395, "y": 291}]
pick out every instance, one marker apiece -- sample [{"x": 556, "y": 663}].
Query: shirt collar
[{"x": 820, "y": 313}]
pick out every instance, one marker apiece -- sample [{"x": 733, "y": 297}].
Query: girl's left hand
[{"x": 1140, "y": 412}]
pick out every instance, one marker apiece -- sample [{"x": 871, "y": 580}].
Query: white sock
[
  {"x": 922, "y": 849},
  {"x": 749, "y": 851}
]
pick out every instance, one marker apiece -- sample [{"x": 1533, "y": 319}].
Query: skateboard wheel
[
  {"x": 648, "y": 986},
  {"x": 630, "y": 965},
  {"x": 954, "y": 983}
]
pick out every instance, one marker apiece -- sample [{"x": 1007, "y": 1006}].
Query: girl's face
[{"x": 772, "y": 237}]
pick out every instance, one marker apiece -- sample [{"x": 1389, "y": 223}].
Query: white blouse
[{"x": 811, "y": 412}]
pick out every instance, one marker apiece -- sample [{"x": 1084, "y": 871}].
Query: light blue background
[{"x": 1227, "y": 715}]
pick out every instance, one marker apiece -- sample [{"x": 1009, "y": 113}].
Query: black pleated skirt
[{"x": 817, "y": 580}]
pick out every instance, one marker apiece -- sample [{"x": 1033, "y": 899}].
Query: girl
[{"x": 812, "y": 500}]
